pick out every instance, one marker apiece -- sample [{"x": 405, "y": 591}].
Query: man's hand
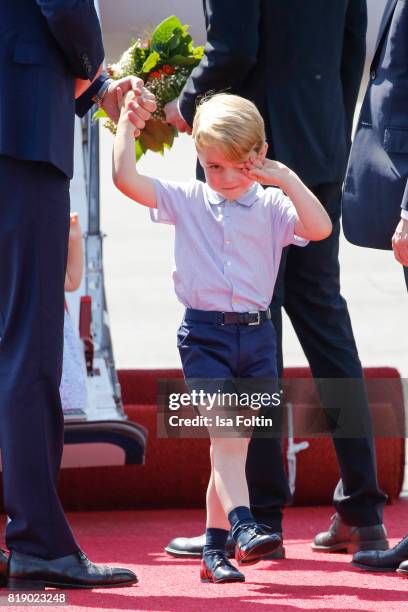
[
  {"x": 137, "y": 107},
  {"x": 400, "y": 242},
  {"x": 110, "y": 100},
  {"x": 174, "y": 117}
]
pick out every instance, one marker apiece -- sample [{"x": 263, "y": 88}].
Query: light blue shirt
[{"x": 227, "y": 253}]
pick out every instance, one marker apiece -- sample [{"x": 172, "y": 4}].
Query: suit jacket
[
  {"x": 301, "y": 62},
  {"x": 376, "y": 182},
  {"x": 44, "y": 46}
]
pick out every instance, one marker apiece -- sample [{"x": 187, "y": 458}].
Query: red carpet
[{"x": 304, "y": 581}]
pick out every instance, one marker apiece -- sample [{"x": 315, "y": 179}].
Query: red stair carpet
[
  {"x": 121, "y": 528},
  {"x": 176, "y": 471},
  {"x": 303, "y": 581}
]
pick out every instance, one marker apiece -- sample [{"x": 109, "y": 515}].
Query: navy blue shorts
[{"x": 229, "y": 358}]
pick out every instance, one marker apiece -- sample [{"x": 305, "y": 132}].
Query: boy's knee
[{"x": 228, "y": 446}]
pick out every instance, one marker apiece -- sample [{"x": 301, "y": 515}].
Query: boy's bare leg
[
  {"x": 229, "y": 459},
  {"x": 216, "y": 516}
]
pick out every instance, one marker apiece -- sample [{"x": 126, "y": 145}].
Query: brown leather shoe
[
  {"x": 3, "y": 568},
  {"x": 342, "y": 538}
]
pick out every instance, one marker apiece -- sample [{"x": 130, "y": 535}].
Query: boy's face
[{"x": 222, "y": 175}]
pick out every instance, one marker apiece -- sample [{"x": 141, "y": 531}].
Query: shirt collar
[{"x": 248, "y": 198}]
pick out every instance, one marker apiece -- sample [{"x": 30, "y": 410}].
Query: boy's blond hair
[{"x": 231, "y": 123}]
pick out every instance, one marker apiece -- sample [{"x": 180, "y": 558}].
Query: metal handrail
[{"x": 94, "y": 276}]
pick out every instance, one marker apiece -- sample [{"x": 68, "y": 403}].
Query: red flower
[
  {"x": 168, "y": 69},
  {"x": 156, "y": 74}
]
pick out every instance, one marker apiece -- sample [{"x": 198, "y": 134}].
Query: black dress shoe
[
  {"x": 383, "y": 561},
  {"x": 215, "y": 567},
  {"x": 73, "y": 571},
  {"x": 280, "y": 552},
  {"x": 253, "y": 544},
  {"x": 192, "y": 548},
  {"x": 345, "y": 538},
  {"x": 3, "y": 568},
  {"x": 403, "y": 568},
  {"x": 188, "y": 548}
]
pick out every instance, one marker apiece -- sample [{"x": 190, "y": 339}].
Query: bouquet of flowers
[{"x": 164, "y": 62}]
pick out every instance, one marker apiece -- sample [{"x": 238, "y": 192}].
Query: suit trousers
[
  {"x": 34, "y": 229},
  {"x": 308, "y": 287}
]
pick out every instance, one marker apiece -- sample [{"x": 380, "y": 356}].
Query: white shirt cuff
[
  {"x": 178, "y": 107},
  {"x": 404, "y": 214}
]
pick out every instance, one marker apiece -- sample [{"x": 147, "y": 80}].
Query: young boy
[{"x": 229, "y": 236}]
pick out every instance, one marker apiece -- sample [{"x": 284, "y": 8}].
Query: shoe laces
[
  {"x": 218, "y": 558},
  {"x": 252, "y": 530}
]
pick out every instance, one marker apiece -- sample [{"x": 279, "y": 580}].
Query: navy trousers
[
  {"x": 308, "y": 287},
  {"x": 34, "y": 228}
]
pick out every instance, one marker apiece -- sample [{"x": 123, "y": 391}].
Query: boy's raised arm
[{"x": 125, "y": 176}]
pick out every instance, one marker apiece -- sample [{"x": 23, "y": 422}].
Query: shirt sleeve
[
  {"x": 284, "y": 217},
  {"x": 172, "y": 200}
]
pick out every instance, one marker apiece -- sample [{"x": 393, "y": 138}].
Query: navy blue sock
[
  {"x": 239, "y": 516},
  {"x": 215, "y": 539}
]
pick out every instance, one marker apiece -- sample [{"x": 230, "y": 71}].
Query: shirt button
[
  {"x": 228, "y": 263},
  {"x": 228, "y": 242},
  {"x": 373, "y": 75}
]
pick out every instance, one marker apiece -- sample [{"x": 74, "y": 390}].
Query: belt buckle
[{"x": 258, "y": 317}]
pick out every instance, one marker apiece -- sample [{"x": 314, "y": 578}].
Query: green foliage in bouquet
[{"x": 164, "y": 62}]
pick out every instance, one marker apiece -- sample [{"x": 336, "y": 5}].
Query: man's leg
[
  {"x": 321, "y": 320},
  {"x": 267, "y": 480},
  {"x": 34, "y": 210}
]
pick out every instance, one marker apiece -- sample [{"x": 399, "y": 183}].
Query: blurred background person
[{"x": 73, "y": 389}]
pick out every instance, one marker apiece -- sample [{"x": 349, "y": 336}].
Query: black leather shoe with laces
[
  {"x": 215, "y": 567},
  {"x": 73, "y": 571},
  {"x": 253, "y": 544},
  {"x": 192, "y": 548},
  {"x": 383, "y": 561}
]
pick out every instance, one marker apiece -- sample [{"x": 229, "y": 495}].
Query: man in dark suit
[
  {"x": 50, "y": 52},
  {"x": 375, "y": 199},
  {"x": 301, "y": 63}
]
